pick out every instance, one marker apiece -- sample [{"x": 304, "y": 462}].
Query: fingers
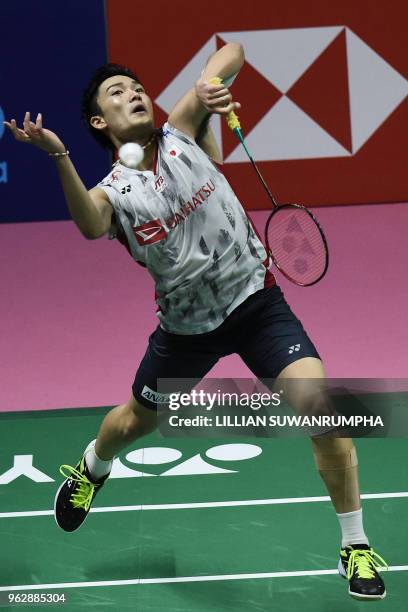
[
  {"x": 220, "y": 100},
  {"x": 225, "y": 110},
  {"x": 36, "y": 128},
  {"x": 217, "y": 99},
  {"x": 221, "y": 97},
  {"x": 206, "y": 88},
  {"x": 212, "y": 87},
  {"x": 26, "y": 123},
  {"x": 30, "y": 129},
  {"x": 18, "y": 134},
  {"x": 214, "y": 90}
]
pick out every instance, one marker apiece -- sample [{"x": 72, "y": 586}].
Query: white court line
[
  {"x": 219, "y": 577},
  {"x": 217, "y": 504}
]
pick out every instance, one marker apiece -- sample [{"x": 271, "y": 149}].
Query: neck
[
  {"x": 149, "y": 142},
  {"x": 149, "y": 149}
]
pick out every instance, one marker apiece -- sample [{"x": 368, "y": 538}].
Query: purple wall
[
  {"x": 49, "y": 50},
  {"x": 75, "y": 314}
]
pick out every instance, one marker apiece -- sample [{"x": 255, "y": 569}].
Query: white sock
[
  {"x": 352, "y": 530},
  {"x": 97, "y": 467}
]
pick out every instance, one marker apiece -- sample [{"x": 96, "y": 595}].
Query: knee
[
  {"x": 308, "y": 397},
  {"x": 138, "y": 420}
]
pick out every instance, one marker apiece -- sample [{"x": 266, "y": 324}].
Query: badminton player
[{"x": 177, "y": 215}]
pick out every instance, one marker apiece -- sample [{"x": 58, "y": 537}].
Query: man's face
[{"x": 127, "y": 111}]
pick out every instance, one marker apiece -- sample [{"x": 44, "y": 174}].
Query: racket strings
[{"x": 296, "y": 244}]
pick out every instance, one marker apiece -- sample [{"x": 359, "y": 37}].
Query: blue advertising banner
[{"x": 48, "y": 52}]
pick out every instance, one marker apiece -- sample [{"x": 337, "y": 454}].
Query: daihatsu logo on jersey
[
  {"x": 198, "y": 198},
  {"x": 316, "y": 92},
  {"x": 154, "y": 231},
  {"x": 150, "y": 232}
]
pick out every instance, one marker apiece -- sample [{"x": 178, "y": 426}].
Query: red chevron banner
[{"x": 323, "y": 90}]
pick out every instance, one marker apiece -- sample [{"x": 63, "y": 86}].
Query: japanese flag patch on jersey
[{"x": 175, "y": 151}]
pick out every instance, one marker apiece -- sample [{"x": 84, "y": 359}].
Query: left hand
[
  {"x": 36, "y": 134},
  {"x": 215, "y": 98}
]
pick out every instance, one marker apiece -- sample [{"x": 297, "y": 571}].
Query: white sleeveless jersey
[{"x": 184, "y": 222}]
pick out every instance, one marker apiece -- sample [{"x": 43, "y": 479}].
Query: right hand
[
  {"x": 215, "y": 98},
  {"x": 34, "y": 133}
]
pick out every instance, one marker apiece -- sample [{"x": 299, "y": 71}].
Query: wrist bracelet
[{"x": 57, "y": 155}]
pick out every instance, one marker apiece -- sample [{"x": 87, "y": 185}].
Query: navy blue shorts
[{"x": 263, "y": 331}]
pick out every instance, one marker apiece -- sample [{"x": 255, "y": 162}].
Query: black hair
[{"x": 90, "y": 106}]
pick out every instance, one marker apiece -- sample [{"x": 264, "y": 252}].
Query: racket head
[{"x": 297, "y": 244}]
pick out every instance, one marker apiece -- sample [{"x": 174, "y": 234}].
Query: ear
[{"x": 98, "y": 122}]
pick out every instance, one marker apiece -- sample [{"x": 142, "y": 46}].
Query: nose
[{"x": 134, "y": 95}]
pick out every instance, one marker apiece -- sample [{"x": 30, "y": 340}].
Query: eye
[
  {"x": 140, "y": 90},
  {"x": 117, "y": 91}
]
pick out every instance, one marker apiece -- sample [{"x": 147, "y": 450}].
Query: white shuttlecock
[{"x": 131, "y": 154}]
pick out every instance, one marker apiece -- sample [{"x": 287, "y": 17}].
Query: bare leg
[
  {"x": 121, "y": 426},
  {"x": 341, "y": 483},
  {"x": 335, "y": 457}
]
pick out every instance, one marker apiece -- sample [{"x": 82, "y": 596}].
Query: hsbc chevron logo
[{"x": 316, "y": 92}]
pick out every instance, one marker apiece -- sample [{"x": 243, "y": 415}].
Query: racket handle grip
[{"x": 232, "y": 118}]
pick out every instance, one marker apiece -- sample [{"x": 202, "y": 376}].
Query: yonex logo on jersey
[
  {"x": 150, "y": 232},
  {"x": 294, "y": 349},
  {"x": 153, "y": 396}
]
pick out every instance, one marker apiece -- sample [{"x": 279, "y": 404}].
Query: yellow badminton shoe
[
  {"x": 75, "y": 496},
  {"x": 359, "y": 564}
]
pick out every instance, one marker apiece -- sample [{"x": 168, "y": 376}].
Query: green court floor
[{"x": 193, "y": 525}]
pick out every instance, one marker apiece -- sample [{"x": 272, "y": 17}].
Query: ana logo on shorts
[{"x": 154, "y": 396}]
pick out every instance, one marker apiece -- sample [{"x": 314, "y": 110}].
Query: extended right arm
[{"x": 90, "y": 210}]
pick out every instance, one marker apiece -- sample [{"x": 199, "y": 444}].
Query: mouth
[{"x": 138, "y": 109}]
